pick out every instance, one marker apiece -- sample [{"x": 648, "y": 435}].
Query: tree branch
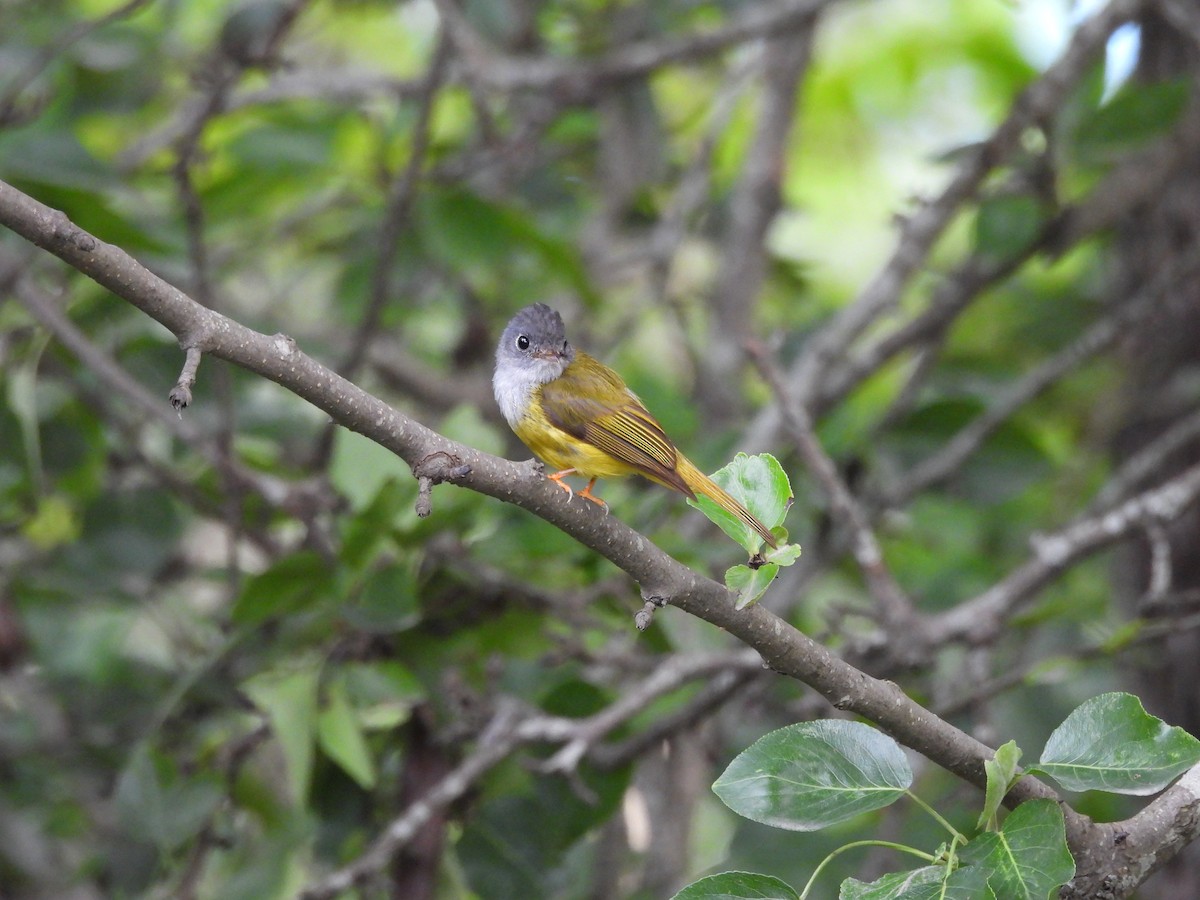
[
  {"x": 782, "y": 647},
  {"x": 502, "y": 72},
  {"x": 920, "y": 230}
]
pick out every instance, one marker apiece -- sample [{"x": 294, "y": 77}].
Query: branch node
[
  {"x": 645, "y": 615},
  {"x": 181, "y": 395},
  {"x": 434, "y": 468},
  {"x": 284, "y": 345},
  {"x": 69, "y": 233}
]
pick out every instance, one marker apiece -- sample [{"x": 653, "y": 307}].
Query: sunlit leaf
[{"x": 760, "y": 485}]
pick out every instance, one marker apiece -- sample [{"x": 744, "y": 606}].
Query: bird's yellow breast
[{"x": 561, "y": 450}]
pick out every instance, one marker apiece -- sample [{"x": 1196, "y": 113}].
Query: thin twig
[
  {"x": 894, "y": 606},
  {"x": 952, "y": 455},
  {"x": 755, "y": 201},
  {"x": 920, "y": 230},
  {"x": 978, "y": 620},
  {"x": 580, "y": 80},
  {"x": 497, "y": 740}
]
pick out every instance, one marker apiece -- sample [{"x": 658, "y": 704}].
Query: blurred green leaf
[
  {"x": 521, "y": 842},
  {"x": 54, "y": 523},
  {"x": 162, "y": 807},
  {"x": 384, "y": 601},
  {"x": 1110, "y": 743},
  {"x": 1007, "y": 225},
  {"x": 341, "y": 737},
  {"x": 287, "y": 587},
  {"x": 466, "y": 425},
  {"x": 1140, "y": 111},
  {"x": 814, "y": 774},
  {"x": 384, "y": 692},
  {"x": 288, "y": 698},
  {"x": 475, "y": 236},
  {"x": 360, "y": 468},
  {"x": 372, "y": 528}
]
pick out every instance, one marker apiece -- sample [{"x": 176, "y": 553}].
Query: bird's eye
[
  {"x": 565, "y": 345},
  {"x": 522, "y": 342}
]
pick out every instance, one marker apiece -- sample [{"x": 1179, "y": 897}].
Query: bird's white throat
[{"x": 514, "y": 381}]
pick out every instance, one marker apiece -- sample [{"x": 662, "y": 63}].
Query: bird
[{"x": 577, "y": 415}]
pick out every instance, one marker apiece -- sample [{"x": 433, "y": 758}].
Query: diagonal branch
[
  {"x": 782, "y": 647},
  {"x": 978, "y": 619},
  {"x": 920, "y": 230}
]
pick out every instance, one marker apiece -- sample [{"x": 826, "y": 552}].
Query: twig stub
[
  {"x": 434, "y": 469},
  {"x": 181, "y": 395}
]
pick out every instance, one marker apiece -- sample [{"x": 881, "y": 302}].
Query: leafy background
[{"x": 231, "y": 651}]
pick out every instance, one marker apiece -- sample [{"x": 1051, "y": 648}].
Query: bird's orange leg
[
  {"x": 558, "y": 477},
  {"x": 587, "y": 494}
]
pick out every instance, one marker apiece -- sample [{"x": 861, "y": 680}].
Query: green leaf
[
  {"x": 928, "y": 883},
  {"x": 473, "y": 234},
  {"x": 340, "y": 735},
  {"x": 289, "y": 701},
  {"x": 1110, "y": 743},
  {"x": 1028, "y": 858},
  {"x": 1007, "y": 224},
  {"x": 54, "y": 523},
  {"x": 159, "y": 806},
  {"x": 1001, "y": 770},
  {"x": 383, "y": 691},
  {"x": 366, "y": 531},
  {"x": 738, "y": 886},
  {"x": 750, "y": 584},
  {"x": 807, "y": 776},
  {"x": 784, "y": 554},
  {"x": 384, "y": 601},
  {"x": 288, "y": 586},
  {"x": 360, "y": 467},
  {"x": 1138, "y": 113},
  {"x": 139, "y": 796},
  {"x": 759, "y": 484}
]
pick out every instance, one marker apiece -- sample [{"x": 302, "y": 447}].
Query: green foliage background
[{"x": 216, "y": 684}]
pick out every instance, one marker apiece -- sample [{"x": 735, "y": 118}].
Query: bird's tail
[{"x": 702, "y": 484}]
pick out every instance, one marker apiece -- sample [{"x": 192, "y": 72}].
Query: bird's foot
[
  {"x": 558, "y": 477},
  {"x": 587, "y": 494}
]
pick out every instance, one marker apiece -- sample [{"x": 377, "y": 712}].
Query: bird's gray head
[{"x": 533, "y": 350}]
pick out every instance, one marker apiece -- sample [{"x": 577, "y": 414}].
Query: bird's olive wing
[{"x": 603, "y": 412}]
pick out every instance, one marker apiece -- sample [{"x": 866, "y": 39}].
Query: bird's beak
[{"x": 548, "y": 353}]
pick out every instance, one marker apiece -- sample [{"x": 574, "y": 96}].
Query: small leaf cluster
[
  {"x": 759, "y": 484},
  {"x": 813, "y": 775}
]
